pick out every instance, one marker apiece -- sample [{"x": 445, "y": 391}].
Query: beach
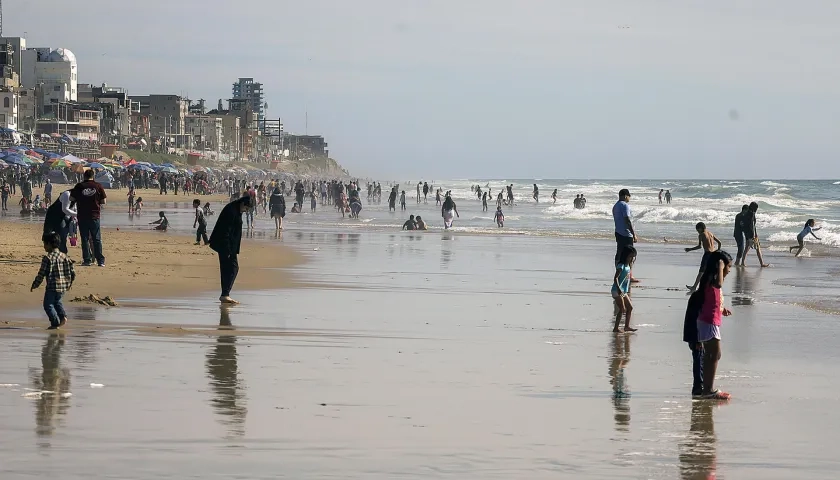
[{"x": 438, "y": 354}]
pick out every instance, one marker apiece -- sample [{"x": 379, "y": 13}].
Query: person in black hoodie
[
  {"x": 225, "y": 240},
  {"x": 277, "y": 207}
]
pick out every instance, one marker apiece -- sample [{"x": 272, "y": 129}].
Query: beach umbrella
[
  {"x": 96, "y": 165},
  {"x": 168, "y": 170},
  {"x": 145, "y": 163},
  {"x": 60, "y": 163},
  {"x": 72, "y": 159},
  {"x": 15, "y": 160}
]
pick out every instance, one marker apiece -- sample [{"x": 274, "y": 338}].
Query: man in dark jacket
[{"x": 225, "y": 240}]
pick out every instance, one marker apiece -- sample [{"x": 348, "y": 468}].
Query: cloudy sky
[{"x": 493, "y": 88}]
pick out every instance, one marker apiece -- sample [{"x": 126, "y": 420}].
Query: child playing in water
[
  {"x": 621, "y": 288},
  {"x": 809, "y": 228},
  {"x": 138, "y": 205},
  {"x": 421, "y": 225},
  {"x": 207, "y": 210},
  {"x": 701, "y": 329},
  {"x": 499, "y": 218},
  {"x": 162, "y": 222},
  {"x": 402, "y": 200},
  {"x": 312, "y": 203},
  {"x": 131, "y": 199},
  {"x": 705, "y": 239}
]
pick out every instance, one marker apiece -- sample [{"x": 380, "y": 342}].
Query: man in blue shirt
[{"x": 625, "y": 236}]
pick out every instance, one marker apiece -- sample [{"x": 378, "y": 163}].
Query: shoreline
[{"x": 139, "y": 264}]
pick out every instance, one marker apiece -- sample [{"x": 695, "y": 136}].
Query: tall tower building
[{"x": 252, "y": 92}]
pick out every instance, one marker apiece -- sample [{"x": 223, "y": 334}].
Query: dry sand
[{"x": 139, "y": 265}]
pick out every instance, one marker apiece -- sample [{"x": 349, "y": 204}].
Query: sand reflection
[
  {"x": 223, "y": 372},
  {"x": 698, "y": 453},
  {"x": 619, "y": 358},
  {"x": 50, "y": 386},
  {"x": 743, "y": 288}
]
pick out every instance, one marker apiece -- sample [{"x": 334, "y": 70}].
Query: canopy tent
[
  {"x": 72, "y": 158},
  {"x": 130, "y": 162}
]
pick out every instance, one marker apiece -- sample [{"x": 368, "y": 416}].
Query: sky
[{"x": 433, "y": 89}]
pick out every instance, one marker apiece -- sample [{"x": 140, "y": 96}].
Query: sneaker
[
  {"x": 101, "y": 264},
  {"x": 716, "y": 395},
  {"x": 52, "y": 327},
  {"x": 197, "y": 243},
  {"x": 86, "y": 264}
]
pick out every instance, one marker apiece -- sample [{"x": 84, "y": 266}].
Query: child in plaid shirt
[{"x": 58, "y": 270}]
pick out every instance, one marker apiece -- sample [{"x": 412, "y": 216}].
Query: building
[
  {"x": 9, "y": 108},
  {"x": 8, "y": 77},
  {"x": 305, "y": 146},
  {"x": 205, "y": 132},
  {"x": 18, "y": 45},
  {"x": 53, "y": 71},
  {"x": 80, "y": 121},
  {"x": 116, "y": 110},
  {"x": 252, "y": 93},
  {"x": 27, "y": 109},
  {"x": 167, "y": 118},
  {"x": 231, "y": 132}
]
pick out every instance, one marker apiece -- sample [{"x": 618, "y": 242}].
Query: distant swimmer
[
  {"x": 668, "y": 196},
  {"x": 661, "y": 193},
  {"x": 808, "y": 229},
  {"x": 582, "y": 201},
  {"x": 621, "y": 288},
  {"x": 554, "y": 195},
  {"x": 421, "y": 225},
  {"x": 437, "y": 197},
  {"x": 402, "y": 200},
  {"x": 510, "y": 194},
  {"x": 410, "y": 224},
  {"x": 448, "y": 211},
  {"x": 484, "y": 202},
  {"x": 425, "y": 192},
  {"x": 577, "y": 201},
  {"x": 499, "y": 218},
  {"x": 499, "y": 200},
  {"x": 705, "y": 240},
  {"x": 536, "y": 193},
  {"x": 418, "y": 191}
]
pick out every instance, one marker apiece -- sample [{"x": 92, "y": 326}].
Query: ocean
[{"x": 784, "y": 207}]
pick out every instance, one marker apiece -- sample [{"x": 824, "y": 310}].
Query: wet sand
[
  {"x": 139, "y": 264},
  {"x": 428, "y": 355}
]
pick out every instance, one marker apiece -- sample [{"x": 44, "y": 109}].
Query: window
[
  {"x": 57, "y": 88},
  {"x": 5, "y": 102},
  {"x": 2, "y": 118}
]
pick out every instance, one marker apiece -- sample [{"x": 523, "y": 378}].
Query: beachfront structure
[
  {"x": 53, "y": 72},
  {"x": 252, "y": 93},
  {"x": 231, "y": 132},
  {"x": 300, "y": 147},
  {"x": 17, "y": 45},
  {"x": 9, "y": 108},
  {"x": 78, "y": 121},
  {"x": 116, "y": 109},
  {"x": 167, "y": 117},
  {"x": 204, "y": 131}
]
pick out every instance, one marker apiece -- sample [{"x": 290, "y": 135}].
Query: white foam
[{"x": 96, "y": 385}]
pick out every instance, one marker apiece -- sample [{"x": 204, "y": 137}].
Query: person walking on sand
[
  {"x": 808, "y": 229},
  {"x": 621, "y": 288},
  {"x": 625, "y": 235},
  {"x": 57, "y": 269},
  {"x": 89, "y": 197},
  {"x": 738, "y": 232},
  {"x": 447, "y": 210},
  {"x": 225, "y": 240},
  {"x": 748, "y": 225},
  {"x": 705, "y": 240}
]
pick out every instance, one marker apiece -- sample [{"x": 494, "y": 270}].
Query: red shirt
[{"x": 89, "y": 195}]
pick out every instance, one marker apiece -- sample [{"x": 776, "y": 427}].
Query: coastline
[{"x": 140, "y": 264}]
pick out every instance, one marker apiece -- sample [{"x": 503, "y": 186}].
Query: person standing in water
[
  {"x": 418, "y": 192},
  {"x": 425, "y": 192},
  {"x": 748, "y": 225},
  {"x": 705, "y": 240},
  {"x": 668, "y": 196},
  {"x": 484, "y": 202},
  {"x": 808, "y": 229},
  {"x": 402, "y": 200},
  {"x": 661, "y": 192},
  {"x": 554, "y": 195},
  {"x": 510, "y": 194},
  {"x": 447, "y": 210},
  {"x": 625, "y": 235},
  {"x": 738, "y": 233},
  {"x": 536, "y": 193},
  {"x": 392, "y": 200},
  {"x": 709, "y": 321},
  {"x": 277, "y": 208},
  {"x": 621, "y": 288},
  {"x": 226, "y": 240}
]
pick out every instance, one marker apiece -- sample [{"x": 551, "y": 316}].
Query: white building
[
  {"x": 205, "y": 132},
  {"x": 9, "y": 110},
  {"x": 54, "y": 72}
]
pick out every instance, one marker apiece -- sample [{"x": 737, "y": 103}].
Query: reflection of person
[
  {"x": 54, "y": 379},
  {"x": 698, "y": 453},
  {"x": 223, "y": 372},
  {"x": 619, "y": 358},
  {"x": 225, "y": 240}
]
